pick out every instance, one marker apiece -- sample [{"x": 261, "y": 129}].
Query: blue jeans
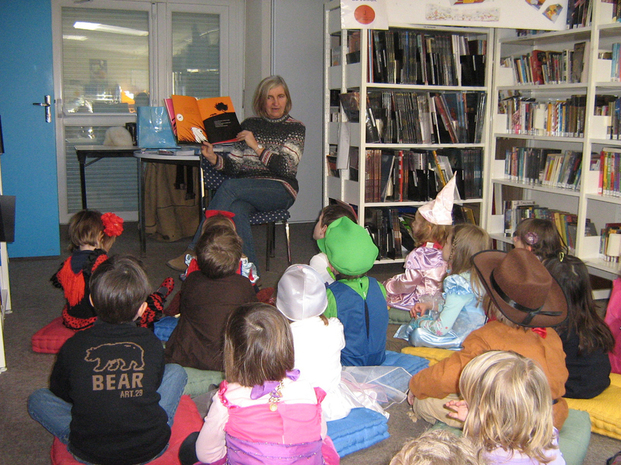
[
  {"x": 245, "y": 196},
  {"x": 54, "y": 413}
]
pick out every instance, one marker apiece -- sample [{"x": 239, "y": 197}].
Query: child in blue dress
[{"x": 445, "y": 322}]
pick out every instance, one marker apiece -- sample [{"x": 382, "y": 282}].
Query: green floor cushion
[
  {"x": 199, "y": 381},
  {"x": 400, "y": 317},
  {"x": 573, "y": 441},
  {"x": 605, "y": 409}
]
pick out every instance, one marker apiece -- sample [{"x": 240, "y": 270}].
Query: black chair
[{"x": 212, "y": 180}]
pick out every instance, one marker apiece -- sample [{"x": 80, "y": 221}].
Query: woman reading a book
[{"x": 262, "y": 164}]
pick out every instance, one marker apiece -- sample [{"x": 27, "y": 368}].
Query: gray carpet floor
[{"x": 36, "y": 303}]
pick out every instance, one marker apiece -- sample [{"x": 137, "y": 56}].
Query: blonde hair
[
  {"x": 426, "y": 231},
  {"x": 258, "y": 345},
  {"x": 509, "y": 404},
  {"x": 438, "y": 447},
  {"x": 469, "y": 239},
  {"x": 260, "y": 95}
]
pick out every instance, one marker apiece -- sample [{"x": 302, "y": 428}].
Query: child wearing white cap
[
  {"x": 425, "y": 267},
  {"x": 317, "y": 340}
]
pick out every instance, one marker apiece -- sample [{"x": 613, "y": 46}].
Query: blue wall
[{"x": 29, "y": 161}]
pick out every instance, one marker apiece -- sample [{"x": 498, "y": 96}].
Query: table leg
[
  {"x": 141, "y": 212},
  {"x": 83, "y": 184}
]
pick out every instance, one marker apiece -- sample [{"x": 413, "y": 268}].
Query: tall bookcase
[
  {"x": 353, "y": 64},
  {"x": 537, "y": 117}
]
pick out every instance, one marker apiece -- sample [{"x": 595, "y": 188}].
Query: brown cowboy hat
[{"x": 521, "y": 287}]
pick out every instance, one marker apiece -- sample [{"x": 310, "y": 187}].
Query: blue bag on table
[{"x": 153, "y": 129}]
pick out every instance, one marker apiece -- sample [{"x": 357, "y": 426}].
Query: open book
[{"x": 210, "y": 119}]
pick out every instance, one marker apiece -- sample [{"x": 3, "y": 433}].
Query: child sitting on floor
[
  {"x": 208, "y": 297},
  {"x": 111, "y": 398},
  {"x": 507, "y": 410},
  {"x": 354, "y": 298},
  {"x": 540, "y": 236},
  {"x": 425, "y": 267},
  {"x": 91, "y": 236},
  {"x": 262, "y": 409},
  {"x": 328, "y": 215},
  {"x": 446, "y": 322},
  {"x": 525, "y": 302},
  {"x": 587, "y": 339},
  {"x": 438, "y": 447}
]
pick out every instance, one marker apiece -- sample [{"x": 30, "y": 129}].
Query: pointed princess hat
[{"x": 439, "y": 211}]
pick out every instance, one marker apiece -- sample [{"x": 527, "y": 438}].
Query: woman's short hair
[
  {"x": 260, "y": 95},
  {"x": 438, "y": 447},
  {"x": 218, "y": 251},
  {"x": 85, "y": 228},
  {"x": 509, "y": 404},
  {"x": 258, "y": 345},
  {"x": 118, "y": 287}
]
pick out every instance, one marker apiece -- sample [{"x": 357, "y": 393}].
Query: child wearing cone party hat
[
  {"x": 425, "y": 268},
  {"x": 354, "y": 298}
]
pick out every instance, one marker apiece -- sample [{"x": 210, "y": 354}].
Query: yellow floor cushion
[
  {"x": 605, "y": 409},
  {"x": 430, "y": 353}
]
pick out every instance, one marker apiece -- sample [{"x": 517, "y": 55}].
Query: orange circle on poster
[{"x": 364, "y": 14}]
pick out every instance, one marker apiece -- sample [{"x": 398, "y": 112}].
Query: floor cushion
[
  {"x": 574, "y": 437},
  {"x": 412, "y": 364},
  {"x": 50, "y": 338},
  {"x": 604, "y": 410},
  {"x": 399, "y": 317},
  {"x": 164, "y": 327},
  {"x": 432, "y": 354},
  {"x": 360, "y": 429},
  {"x": 201, "y": 381},
  {"x": 187, "y": 420}
]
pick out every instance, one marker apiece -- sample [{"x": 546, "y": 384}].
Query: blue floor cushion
[
  {"x": 360, "y": 429},
  {"x": 412, "y": 363},
  {"x": 164, "y": 327}
]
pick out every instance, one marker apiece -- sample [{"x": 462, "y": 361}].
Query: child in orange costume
[{"x": 526, "y": 301}]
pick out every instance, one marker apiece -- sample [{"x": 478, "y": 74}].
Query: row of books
[
  {"x": 548, "y": 66},
  {"x": 408, "y": 117},
  {"x": 400, "y": 176},
  {"x": 544, "y": 167},
  {"x": 609, "y": 166},
  {"x": 566, "y": 223},
  {"x": 402, "y": 56},
  {"x": 610, "y": 242},
  {"x": 579, "y": 14},
  {"x": 390, "y": 228},
  {"x": 561, "y": 118}
]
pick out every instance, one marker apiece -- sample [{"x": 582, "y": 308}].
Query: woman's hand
[
  {"x": 208, "y": 153},
  {"x": 459, "y": 409},
  {"x": 248, "y": 138}
]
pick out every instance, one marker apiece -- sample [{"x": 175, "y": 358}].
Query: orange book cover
[{"x": 211, "y": 119}]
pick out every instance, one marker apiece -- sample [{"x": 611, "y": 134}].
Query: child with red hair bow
[{"x": 91, "y": 235}]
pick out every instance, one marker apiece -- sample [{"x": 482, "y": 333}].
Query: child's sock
[{"x": 166, "y": 288}]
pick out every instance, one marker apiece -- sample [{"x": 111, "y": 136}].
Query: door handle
[{"x": 47, "y": 103}]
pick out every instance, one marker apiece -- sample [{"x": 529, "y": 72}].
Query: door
[{"x": 29, "y": 161}]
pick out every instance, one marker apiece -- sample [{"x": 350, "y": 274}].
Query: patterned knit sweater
[{"x": 283, "y": 142}]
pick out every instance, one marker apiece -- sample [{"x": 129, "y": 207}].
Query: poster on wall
[
  {"x": 364, "y": 14},
  {"x": 514, "y": 14}
]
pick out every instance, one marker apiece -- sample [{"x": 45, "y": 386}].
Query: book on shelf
[
  {"x": 610, "y": 242},
  {"x": 609, "y": 168},
  {"x": 350, "y": 101},
  {"x": 514, "y": 211},
  {"x": 211, "y": 119}
]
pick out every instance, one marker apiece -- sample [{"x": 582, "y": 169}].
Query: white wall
[{"x": 297, "y": 55}]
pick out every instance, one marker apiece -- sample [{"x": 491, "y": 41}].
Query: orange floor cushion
[
  {"x": 187, "y": 420},
  {"x": 50, "y": 338}
]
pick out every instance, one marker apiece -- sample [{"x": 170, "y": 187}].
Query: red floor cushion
[
  {"x": 187, "y": 420},
  {"x": 50, "y": 338}
]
